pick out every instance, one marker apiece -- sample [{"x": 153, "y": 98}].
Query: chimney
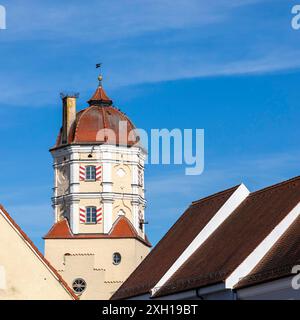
[{"x": 69, "y": 115}]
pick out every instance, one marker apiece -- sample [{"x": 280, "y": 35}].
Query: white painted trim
[
  {"x": 99, "y": 195},
  {"x": 134, "y": 177},
  {"x": 106, "y": 172},
  {"x": 262, "y": 249},
  {"x": 107, "y": 215},
  {"x": 74, "y": 177},
  {"x": 240, "y": 194},
  {"x": 135, "y": 215},
  {"x": 98, "y": 148},
  {"x": 96, "y": 161},
  {"x": 74, "y": 217}
]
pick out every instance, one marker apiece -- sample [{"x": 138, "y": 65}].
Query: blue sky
[{"x": 230, "y": 67}]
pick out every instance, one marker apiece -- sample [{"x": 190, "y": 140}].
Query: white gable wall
[{"x": 23, "y": 274}]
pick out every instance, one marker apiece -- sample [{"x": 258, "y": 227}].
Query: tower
[{"x": 98, "y": 237}]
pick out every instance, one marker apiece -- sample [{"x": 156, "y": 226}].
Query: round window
[
  {"x": 116, "y": 258},
  {"x": 79, "y": 285}
]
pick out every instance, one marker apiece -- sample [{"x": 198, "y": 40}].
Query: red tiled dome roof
[{"x": 99, "y": 123}]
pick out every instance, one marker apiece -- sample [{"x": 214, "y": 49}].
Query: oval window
[{"x": 116, "y": 258}]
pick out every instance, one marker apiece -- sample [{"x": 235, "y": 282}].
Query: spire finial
[{"x": 100, "y": 78}]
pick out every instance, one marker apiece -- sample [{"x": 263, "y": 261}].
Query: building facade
[{"x": 98, "y": 237}]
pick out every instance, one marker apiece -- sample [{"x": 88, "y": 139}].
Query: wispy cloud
[
  {"x": 37, "y": 94},
  {"x": 100, "y": 21},
  {"x": 153, "y": 41}
]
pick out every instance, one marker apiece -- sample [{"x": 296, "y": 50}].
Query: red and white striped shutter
[
  {"x": 81, "y": 173},
  {"x": 98, "y": 173},
  {"x": 99, "y": 215},
  {"x": 82, "y": 215}
]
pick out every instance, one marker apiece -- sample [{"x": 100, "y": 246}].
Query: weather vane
[{"x": 100, "y": 78}]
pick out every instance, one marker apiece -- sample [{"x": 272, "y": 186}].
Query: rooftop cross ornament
[{"x": 100, "y": 78}]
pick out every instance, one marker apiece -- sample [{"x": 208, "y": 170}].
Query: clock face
[{"x": 62, "y": 180}]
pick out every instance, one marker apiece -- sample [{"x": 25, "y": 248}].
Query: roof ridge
[
  {"x": 120, "y": 218},
  {"x": 71, "y": 235},
  {"x": 275, "y": 186},
  {"x": 60, "y": 222},
  {"x": 100, "y": 95},
  {"x": 215, "y": 194}
]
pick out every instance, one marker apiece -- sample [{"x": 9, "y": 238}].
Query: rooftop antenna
[{"x": 100, "y": 78}]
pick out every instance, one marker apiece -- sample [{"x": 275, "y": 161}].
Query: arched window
[
  {"x": 117, "y": 258},
  {"x": 90, "y": 173},
  {"x": 91, "y": 215}
]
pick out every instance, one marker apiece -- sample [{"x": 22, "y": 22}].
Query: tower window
[
  {"x": 91, "y": 215},
  {"x": 90, "y": 173},
  {"x": 79, "y": 285},
  {"x": 116, "y": 258}
]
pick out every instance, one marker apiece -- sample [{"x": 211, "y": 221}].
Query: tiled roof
[
  {"x": 279, "y": 261},
  {"x": 226, "y": 248},
  {"x": 35, "y": 249},
  {"x": 121, "y": 229},
  {"x": 99, "y": 97},
  {"x": 154, "y": 266},
  {"x": 236, "y": 238}
]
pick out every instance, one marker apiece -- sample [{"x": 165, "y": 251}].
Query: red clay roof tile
[
  {"x": 60, "y": 229},
  {"x": 100, "y": 96},
  {"x": 121, "y": 229},
  {"x": 236, "y": 238},
  {"x": 279, "y": 261}
]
